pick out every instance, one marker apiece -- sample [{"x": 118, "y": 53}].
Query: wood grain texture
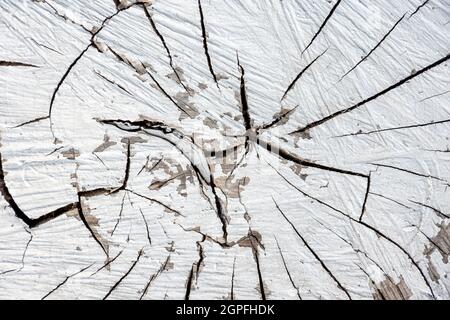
[{"x": 208, "y": 149}]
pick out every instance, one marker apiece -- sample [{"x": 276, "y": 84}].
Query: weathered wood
[{"x": 224, "y": 149}]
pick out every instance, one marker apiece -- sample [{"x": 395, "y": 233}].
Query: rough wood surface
[{"x": 209, "y": 149}]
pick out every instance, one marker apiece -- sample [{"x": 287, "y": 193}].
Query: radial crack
[
  {"x": 120, "y": 215},
  {"x": 107, "y": 264},
  {"x": 195, "y": 270},
  {"x": 16, "y": 64},
  {"x": 205, "y": 43},
  {"x": 278, "y": 119},
  {"x": 153, "y": 277},
  {"x": 87, "y": 225},
  {"x": 418, "y": 8},
  {"x": 244, "y": 102},
  {"x": 232, "y": 280},
  {"x": 287, "y": 270},
  {"x": 166, "y": 94},
  {"x": 31, "y": 223},
  {"x": 324, "y": 266},
  {"x": 438, "y": 212},
  {"x": 290, "y": 157},
  {"x": 140, "y": 253},
  {"x": 300, "y": 74},
  {"x": 377, "y": 232},
  {"x": 65, "y": 280},
  {"x": 366, "y": 196},
  {"x": 409, "y": 171},
  {"x": 163, "y": 42},
  {"x": 146, "y": 227},
  {"x": 113, "y": 82},
  {"x": 374, "y": 48},
  {"x": 394, "y": 128},
  {"x": 156, "y": 201},
  {"x": 72, "y": 65},
  {"x": 373, "y": 97},
  {"x": 322, "y": 25}
]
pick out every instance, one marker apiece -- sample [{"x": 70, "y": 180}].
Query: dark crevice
[
  {"x": 322, "y": 25},
  {"x": 244, "y": 102},
  {"x": 86, "y": 224},
  {"x": 117, "y": 4},
  {"x": 366, "y": 196},
  {"x": 232, "y": 280},
  {"x": 195, "y": 270},
  {"x": 287, "y": 270},
  {"x": 53, "y": 214},
  {"x": 107, "y": 264},
  {"x": 31, "y": 223},
  {"x": 434, "y": 96},
  {"x": 8, "y": 197},
  {"x": 308, "y": 195},
  {"x": 255, "y": 242},
  {"x": 140, "y": 253},
  {"x": 65, "y": 280},
  {"x": 416, "y": 265},
  {"x": 205, "y": 43},
  {"x": 375, "y": 96},
  {"x": 146, "y": 227},
  {"x": 63, "y": 78},
  {"x": 438, "y": 247},
  {"x": 158, "y": 184},
  {"x": 142, "y": 125},
  {"x": 378, "y": 233},
  {"x": 16, "y": 64},
  {"x": 324, "y": 266},
  {"x": 43, "y": 45},
  {"x": 396, "y": 128},
  {"x": 32, "y": 121},
  {"x": 279, "y": 118},
  {"x": 95, "y": 192},
  {"x": 166, "y": 94},
  {"x": 373, "y": 49},
  {"x": 160, "y": 36},
  {"x": 163, "y": 267},
  {"x": 201, "y": 257},
  {"x": 176, "y": 212},
  {"x": 127, "y": 170},
  {"x": 146, "y": 164},
  {"x": 238, "y": 164},
  {"x": 438, "y": 212},
  {"x": 63, "y": 16},
  {"x": 391, "y": 200},
  {"x": 120, "y": 215},
  {"x": 219, "y": 208},
  {"x": 374, "y": 285},
  {"x": 409, "y": 171},
  {"x": 74, "y": 62},
  {"x": 418, "y": 8},
  {"x": 358, "y": 251},
  {"x": 290, "y": 157},
  {"x": 113, "y": 82},
  {"x": 189, "y": 284},
  {"x": 55, "y": 150},
  {"x": 26, "y": 249},
  {"x": 300, "y": 74}
]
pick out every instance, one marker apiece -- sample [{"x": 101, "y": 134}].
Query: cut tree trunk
[{"x": 209, "y": 149}]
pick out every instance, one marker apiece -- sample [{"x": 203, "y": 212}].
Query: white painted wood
[{"x": 333, "y": 119}]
